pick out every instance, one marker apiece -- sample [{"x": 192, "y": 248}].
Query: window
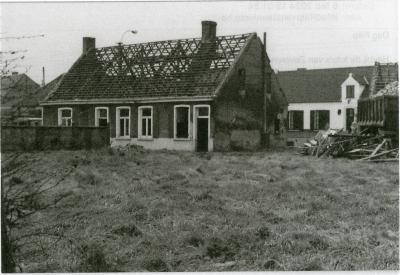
[
  {"x": 101, "y": 116},
  {"x": 145, "y": 122},
  {"x": 319, "y": 120},
  {"x": 181, "y": 121},
  {"x": 296, "y": 119},
  {"x": 123, "y": 122},
  {"x": 350, "y": 91},
  {"x": 65, "y": 117}
]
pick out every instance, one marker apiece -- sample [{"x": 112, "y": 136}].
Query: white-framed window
[
  {"x": 181, "y": 121},
  {"x": 123, "y": 122},
  {"x": 319, "y": 119},
  {"x": 296, "y": 120},
  {"x": 145, "y": 125},
  {"x": 101, "y": 116},
  {"x": 349, "y": 91},
  {"x": 64, "y": 116}
]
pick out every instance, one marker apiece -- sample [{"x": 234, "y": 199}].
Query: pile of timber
[{"x": 366, "y": 147}]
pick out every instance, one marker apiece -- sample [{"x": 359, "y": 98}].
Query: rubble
[
  {"x": 363, "y": 147},
  {"x": 390, "y": 89}
]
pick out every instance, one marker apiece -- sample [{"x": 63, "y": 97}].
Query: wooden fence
[
  {"x": 29, "y": 138},
  {"x": 381, "y": 112}
]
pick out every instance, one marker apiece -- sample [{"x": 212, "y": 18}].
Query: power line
[
  {"x": 22, "y": 37},
  {"x": 13, "y": 51}
]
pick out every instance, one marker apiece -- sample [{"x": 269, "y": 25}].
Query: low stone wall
[{"x": 28, "y": 138}]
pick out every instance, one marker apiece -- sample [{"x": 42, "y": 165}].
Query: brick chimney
[
  {"x": 88, "y": 43},
  {"x": 208, "y": 31}
]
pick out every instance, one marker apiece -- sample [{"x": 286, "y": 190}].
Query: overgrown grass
[{"x": 178, "y": 211}]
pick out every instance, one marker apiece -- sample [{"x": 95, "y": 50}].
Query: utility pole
[{"x": 43, "y": 77}]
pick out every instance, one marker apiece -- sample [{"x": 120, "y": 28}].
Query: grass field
[{"x": 140, "y": 210}]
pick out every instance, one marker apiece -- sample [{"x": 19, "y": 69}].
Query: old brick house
[{"x": 190, "y": 94}]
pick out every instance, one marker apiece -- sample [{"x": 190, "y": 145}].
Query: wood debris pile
[{"x": 366, "y": 147}]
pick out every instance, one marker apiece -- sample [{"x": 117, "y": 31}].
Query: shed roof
[
  {"x": 35, "y": 97},
  {"x": 320, "y": 85},
  {"x": 14, "y": 87},
  {"x": 185, "y": 67}
]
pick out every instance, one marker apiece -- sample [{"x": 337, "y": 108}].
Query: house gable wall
[
  {"x": 238, "y": 119},
  {"x": 358, "y": 89}
]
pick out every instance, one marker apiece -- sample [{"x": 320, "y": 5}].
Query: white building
[{"x": 323, "y": 98}]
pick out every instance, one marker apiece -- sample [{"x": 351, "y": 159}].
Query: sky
[{"x": 300, "y": 34}]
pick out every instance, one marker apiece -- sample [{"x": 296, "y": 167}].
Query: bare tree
[{"x": 19, "y": 200}]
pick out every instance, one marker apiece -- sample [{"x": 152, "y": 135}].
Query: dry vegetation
[{"x": 138, "y": 210}]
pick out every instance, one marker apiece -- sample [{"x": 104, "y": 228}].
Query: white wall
[
  {"x": 336, "y": 121},
  {"x": 350, "y": 103},
  {"x": 162, "y": 143}
]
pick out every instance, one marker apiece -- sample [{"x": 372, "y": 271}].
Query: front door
[
  {"x": 202, "y": 135},
  {"x": 349, "y": 118},
  {"x": 202, "y": 117}
]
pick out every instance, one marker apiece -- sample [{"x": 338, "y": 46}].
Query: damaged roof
[
  {"x": 383, "y": 74},
  {"x": 185, "y": 67},
  {"x": 390, "y": 89},
  {"x": 320, "y": 85}
]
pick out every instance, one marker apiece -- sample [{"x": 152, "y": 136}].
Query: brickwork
[{"x": 14, "y": 138}]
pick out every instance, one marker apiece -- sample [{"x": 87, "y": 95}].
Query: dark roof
[
  {"x": 35, "y": 97},
  {"x": 185, "y": 67},
  {"x": 14, "y": 87},
  {"x": 277, "y": 92},
  {"x": 319, "y": 85}
]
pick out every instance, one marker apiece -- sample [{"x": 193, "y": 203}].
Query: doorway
[
  {"x": 202, "y": 127},
  {"x": 349, "y": 119}
]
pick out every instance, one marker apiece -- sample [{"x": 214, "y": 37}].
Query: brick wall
[
  {"x": 238, "y": 119},
  {"x": 14, "y": 138},
  {"x": 84, "y": 115}
]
